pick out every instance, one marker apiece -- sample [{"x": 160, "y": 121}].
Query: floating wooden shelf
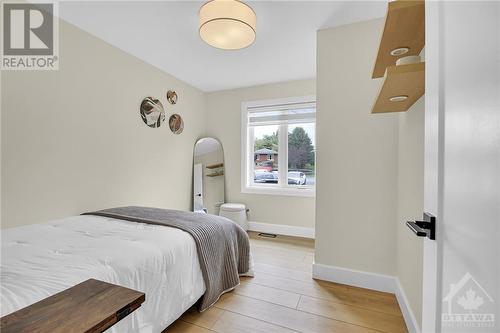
[
  {"x": 404, "y": 27},
  {"x": 215, "y": 174},
  {"x": 215, "y": 166},
  {"x": 407, "y": 80}
]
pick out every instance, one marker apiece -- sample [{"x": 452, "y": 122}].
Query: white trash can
[{"x": 235, "y": 212}]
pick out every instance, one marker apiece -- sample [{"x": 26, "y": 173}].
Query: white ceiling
[{"x": 165, "y": 34}]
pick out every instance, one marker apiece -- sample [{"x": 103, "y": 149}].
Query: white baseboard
[
  {"x": 355, "y": 278},
  {"x": 410, "y": 320},
  {"x": 372, "y": 281},
  {"x": 280, "y": 229}
]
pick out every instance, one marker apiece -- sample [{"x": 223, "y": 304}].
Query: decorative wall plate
[
  {"x": 176, "y": 124},
  {"x": 172, "y": 97},
  {"x": 152, "y": 112}
]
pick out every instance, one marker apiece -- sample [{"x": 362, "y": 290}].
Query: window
[{"x": 279, "y": 147}]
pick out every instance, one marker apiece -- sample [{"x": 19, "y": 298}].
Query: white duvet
[{"x": 43, "y": 259}]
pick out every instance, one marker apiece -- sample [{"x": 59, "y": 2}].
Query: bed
[{"x": 43, "y": 259}]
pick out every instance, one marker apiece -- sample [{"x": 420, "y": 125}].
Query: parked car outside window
[
  {"x": 297, "y": 178},
  {"x": 265, "y": 177}
]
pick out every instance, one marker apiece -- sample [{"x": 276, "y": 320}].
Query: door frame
[{"x": 433, "y": 166}]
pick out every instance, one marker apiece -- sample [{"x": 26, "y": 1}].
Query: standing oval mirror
[{"x": 208, "y": 176}]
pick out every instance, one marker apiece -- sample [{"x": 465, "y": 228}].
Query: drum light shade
[{"x": 227, "y": 24}]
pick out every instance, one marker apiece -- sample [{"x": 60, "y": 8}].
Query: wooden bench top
[{"x": 91, "y": 306}]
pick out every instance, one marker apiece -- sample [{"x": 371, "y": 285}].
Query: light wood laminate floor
[{"x": 283, "y": 298}]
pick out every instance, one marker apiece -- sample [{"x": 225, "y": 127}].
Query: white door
[
  {"x": 462, "y": 167},
  {"x": 198, "y": 187}
]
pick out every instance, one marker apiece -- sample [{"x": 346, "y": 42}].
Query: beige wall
[
  {"x": 224, "y": 123},
  {"x": 370, "y": 167},
  {"x": 73, "y": 140},
  {"x": 356, "y": 202},
  {"x": 410, "y": 203}
]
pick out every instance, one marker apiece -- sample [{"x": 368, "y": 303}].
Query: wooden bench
[{"x": 91, "y": 306}]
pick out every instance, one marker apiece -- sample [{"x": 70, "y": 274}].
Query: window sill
[{"x": 280, "y": 191}]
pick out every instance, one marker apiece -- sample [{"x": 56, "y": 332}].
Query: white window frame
[{"x": 247, "y": 154}]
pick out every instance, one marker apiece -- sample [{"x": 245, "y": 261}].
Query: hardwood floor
[{"x": 283, "y": 298}]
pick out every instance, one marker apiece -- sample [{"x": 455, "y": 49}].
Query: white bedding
[{"x": 43, "y": 259}]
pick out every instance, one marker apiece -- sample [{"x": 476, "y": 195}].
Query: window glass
[
  {"x": 301, "y": 154},
  {"x": 280, "y": 141},
  {"x": 266, "y": 155}
]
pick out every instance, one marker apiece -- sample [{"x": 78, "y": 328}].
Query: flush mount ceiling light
[{"x": 227, "y": 24}]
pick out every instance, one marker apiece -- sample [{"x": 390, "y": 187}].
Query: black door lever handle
[
  {"x": 425, "y": 228},
  {"x": 420, "y": 232}
]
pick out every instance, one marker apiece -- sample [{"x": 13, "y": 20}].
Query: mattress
[{"x": 43, "y": 259}]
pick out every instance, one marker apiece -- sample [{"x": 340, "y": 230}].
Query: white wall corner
[
  {"x": 374, "y": 281},
  {"x": 280, "y": 229}
]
